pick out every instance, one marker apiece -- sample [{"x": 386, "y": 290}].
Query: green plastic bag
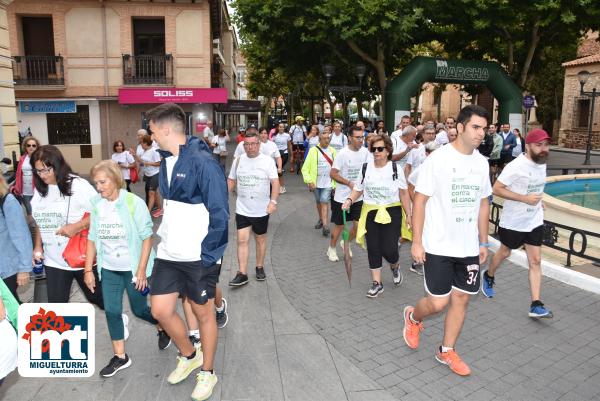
[{"x": 10, "y": 304}]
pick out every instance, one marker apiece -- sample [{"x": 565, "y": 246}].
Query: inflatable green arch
[{"x": 428, "y": 69}]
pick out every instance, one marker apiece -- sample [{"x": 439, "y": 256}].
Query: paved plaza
[{"x": 305, "y": 335}]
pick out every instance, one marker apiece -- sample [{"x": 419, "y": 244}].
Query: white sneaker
[
  {"x": 185, "y": 367},
  {"x": 205, "y": 383},
  {"x": 125, "y": 328},
  {"x": 282, "y": 190},
  {"x": 332, "y": 255},
  {"x": 349, "y": 248}
]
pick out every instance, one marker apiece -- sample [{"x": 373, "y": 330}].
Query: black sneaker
[
  {"x": 416, "y": 268},
  {"x": 375, "y": 290},
  {"x": 195, "y": 342},
  {"x": 319, "y": 224},
  {"x": 222, "y": 317},
  {"x": 114, "y": 365},
  {"x": 326, "y": 232},
  {"x": 260, "y": 273},
  {"x": 239, "y": 279},
  {"x": 163, "y": 339}
]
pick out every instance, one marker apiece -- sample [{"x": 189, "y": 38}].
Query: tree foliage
[
  {"x": 512, "y": 32},
  {"x": 288, "y": 41},
  {"x": 299, "y": 37}
]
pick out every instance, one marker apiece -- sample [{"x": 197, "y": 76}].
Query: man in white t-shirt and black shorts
[
  {"x": 345, "y": 171},
  {"x": 521, "y": 184},
  {"x": 254, "y": 177},
  {"x": 450, "y": 228}
]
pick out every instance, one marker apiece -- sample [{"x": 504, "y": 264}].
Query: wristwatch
[{"x": 273, "y": 201}]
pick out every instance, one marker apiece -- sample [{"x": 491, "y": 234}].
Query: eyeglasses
[
  {"x": 31, "y": 145},
  {"x": 46, "y": 170},
  {"x": 377, "y": 149},
  {"x": 357, "y": 136},
  {"x": 250, "y": 143}
]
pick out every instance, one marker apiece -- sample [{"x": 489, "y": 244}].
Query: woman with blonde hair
[{"x": 120, "y": 238}]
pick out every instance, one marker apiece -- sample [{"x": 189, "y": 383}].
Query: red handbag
[
  {"x": 74, "y": 253},
  {"x": 133, "y": 175}
]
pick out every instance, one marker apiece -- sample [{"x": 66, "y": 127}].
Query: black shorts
[
  {"x": 284, "y": 158},
  {"x": 189, "y": 279},
  {"x": 515, "y": 239},
  {"x": 259, "y": 224},
  {"x": 151, "y": 182},
  {"x": 298, "y": 146},
  {"x": 444, "y": 273},
  {"x": 352, "y": 215}
]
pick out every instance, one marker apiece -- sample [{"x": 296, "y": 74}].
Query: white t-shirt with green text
[
  {"x": 455, "y": 184},
  {"x": 349, "y": 163},
  {"x": 523, "y": 176},
  {"x": 324, "y": 168},
  {"x": 253, "y": 178},
  {"x": 379, "y": 186},
  {"x": 51, "y": 212},
  {"x": 112, "y": 234}
]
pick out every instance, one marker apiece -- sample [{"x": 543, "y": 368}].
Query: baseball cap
[
  {"x": 537, "y": 136},
  {"x": 252, "y": 126},
  {"x": 242, "y": 129}
]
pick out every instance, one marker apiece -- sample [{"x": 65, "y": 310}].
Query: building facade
[
  {"x": 85, "y": 71},
  {"x": 9, "y": 137},
  {"x": 576, "y": 109}
]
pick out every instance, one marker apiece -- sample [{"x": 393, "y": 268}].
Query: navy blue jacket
[
  {"x": 511, "y": 140},
  {"x": 197, "y": 180}
]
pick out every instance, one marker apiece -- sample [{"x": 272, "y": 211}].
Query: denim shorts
[{"x": 322, "y": 195}]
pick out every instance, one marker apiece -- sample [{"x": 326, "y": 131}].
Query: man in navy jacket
[
  {"x": 193, "y": 235},
  {"x": 510, "y": 141}
]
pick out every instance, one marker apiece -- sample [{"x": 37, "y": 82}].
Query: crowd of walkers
[{"x": 428, "y": 184}]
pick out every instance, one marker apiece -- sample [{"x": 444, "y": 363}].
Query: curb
[{"x": 554, "y": 271}]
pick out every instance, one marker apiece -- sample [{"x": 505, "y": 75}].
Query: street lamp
[
  {"x": 583, "y": 78},
  {"x": 329, "y": 71}
]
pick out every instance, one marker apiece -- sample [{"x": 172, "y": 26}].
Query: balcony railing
[
  {"x": 143, "y": 70},
  {"x": 38, "y": 70}
]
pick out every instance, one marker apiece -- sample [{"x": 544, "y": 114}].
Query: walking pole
[{"x": 347, "y": 257}]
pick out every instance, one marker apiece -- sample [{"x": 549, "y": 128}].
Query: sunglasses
[
  {"x": 44, "y": 170},
  {"x": 377, "y": 149},
  {"x": 31, "y": 145}
]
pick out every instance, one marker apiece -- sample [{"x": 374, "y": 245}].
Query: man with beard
[{"x": 521, "y": 184}]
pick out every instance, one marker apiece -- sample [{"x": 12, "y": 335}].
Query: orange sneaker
[
  {"x": 453, "y": 361},
  {"x": 411, "y": 330}
]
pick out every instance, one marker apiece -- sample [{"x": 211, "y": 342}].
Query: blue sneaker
[
  {"x": 538, "y": 310},
  {"x": 487, "y": 285}
]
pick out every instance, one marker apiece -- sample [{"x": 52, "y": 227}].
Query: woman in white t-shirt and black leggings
[
  {"x": 283, "y": 140},
  {"x": 59, "y": 202},
  {"x": 124, "y": 159},
  {"x": 384, "y": 190}
]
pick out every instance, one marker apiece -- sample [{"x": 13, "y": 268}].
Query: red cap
[{"x": 537, "y": 136}]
